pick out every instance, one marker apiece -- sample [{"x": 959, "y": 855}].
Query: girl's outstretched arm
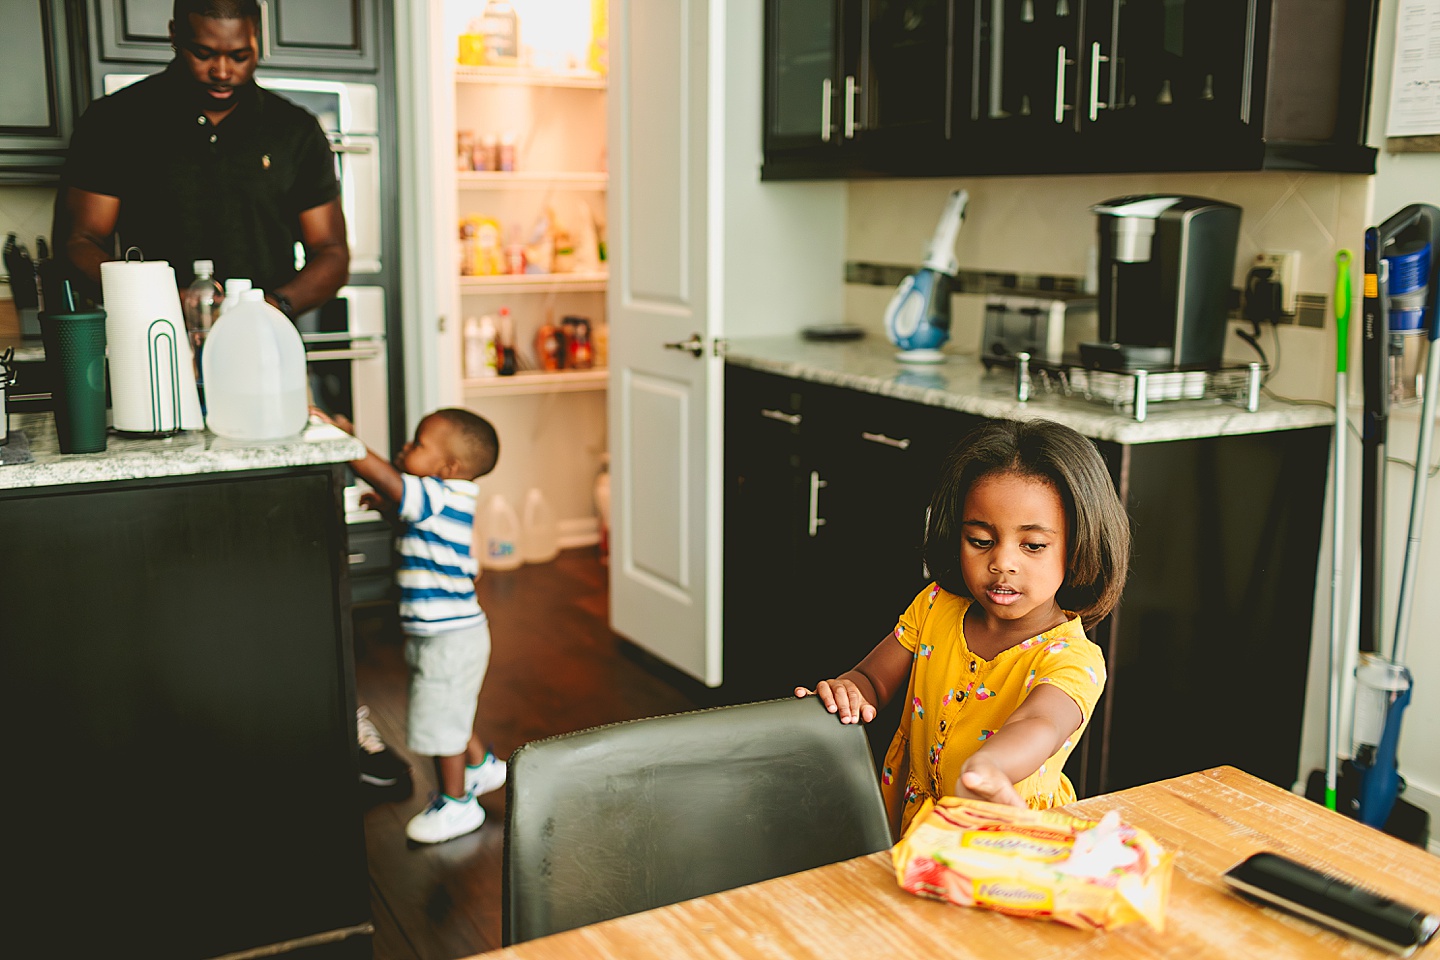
[
  {"x": 1031, "y": 735},
  {"x": 856, "y": 695}
]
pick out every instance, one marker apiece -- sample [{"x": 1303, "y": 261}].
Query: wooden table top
[{"x": 1211, "y": 820}]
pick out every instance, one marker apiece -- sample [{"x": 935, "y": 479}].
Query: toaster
[{"x": 1048, "y": 327}]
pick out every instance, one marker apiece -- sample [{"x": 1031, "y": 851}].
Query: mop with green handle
[{"x": 1337, "y": 565}]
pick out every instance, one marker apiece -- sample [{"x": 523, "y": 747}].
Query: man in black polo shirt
[{"x": 198, "y": 162}]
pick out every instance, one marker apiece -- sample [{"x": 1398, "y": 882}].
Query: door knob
[{"x": 696, "y": 345}]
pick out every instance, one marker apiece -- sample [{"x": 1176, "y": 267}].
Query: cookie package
[{"x": 1044, "y": 864}]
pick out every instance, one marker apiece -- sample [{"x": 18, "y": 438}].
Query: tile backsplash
[
  {"x": 1043, "y": 225},
  {"x": 25, "y": 211}
]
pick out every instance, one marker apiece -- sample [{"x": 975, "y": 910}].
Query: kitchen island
[
  {"x": 177, "y": 688},
  {"x": 832, "y": 451}
]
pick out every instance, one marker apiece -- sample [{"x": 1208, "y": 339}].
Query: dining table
[{"x": 1210, "y": 820}]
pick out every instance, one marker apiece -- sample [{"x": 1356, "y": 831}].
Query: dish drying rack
[{"x": 1136, "y": 390}]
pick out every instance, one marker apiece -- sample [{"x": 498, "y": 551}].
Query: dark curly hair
[
  {"x": 476, "y": 444},
  {"x": 1098, "y": 530},
  {"x": 213, "y": 9}
]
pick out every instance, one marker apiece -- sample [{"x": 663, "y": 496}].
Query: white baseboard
[{"x": 580, "y": 532}]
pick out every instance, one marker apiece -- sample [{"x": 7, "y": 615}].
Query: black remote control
[{"x": 1332, "y": 902}]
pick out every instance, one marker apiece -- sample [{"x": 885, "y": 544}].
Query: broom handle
[{"x": 1337, "y": 561}]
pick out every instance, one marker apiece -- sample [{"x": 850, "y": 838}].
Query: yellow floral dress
[{"x": 956, "y": 700}]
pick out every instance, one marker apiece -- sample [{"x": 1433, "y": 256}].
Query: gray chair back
[{"x": 626, "y": 817}]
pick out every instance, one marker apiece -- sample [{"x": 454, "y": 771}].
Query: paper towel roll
[{"x": 148, "y": 350}]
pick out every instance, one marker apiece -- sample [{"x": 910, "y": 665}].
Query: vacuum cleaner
[
  {"x": 917, "y": 319},
  {"x": 1399, "y": 304}
]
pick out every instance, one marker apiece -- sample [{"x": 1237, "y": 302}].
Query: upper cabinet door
[
  {"x": 329, "y": 35},
  {"x": 1167, "y": 66},
  {"x": 802, "y": 69},
  {"x": 36, "y": 86},
  {"x": 1018, "y": 79},
  {"x": 905, "y": 72}
]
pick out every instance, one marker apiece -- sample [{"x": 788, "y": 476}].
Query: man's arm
[
  {"x": 84, "y": 229},
  {"x": 327, "y": 258}
]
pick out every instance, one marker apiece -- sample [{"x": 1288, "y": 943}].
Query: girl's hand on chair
[
  {"x": 980, "y": 779},
  {"x": 842, "y": 698}
]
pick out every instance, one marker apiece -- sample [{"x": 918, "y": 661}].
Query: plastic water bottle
[
  {"x": 254, "y": 367},
  {"x": 542, "y": 539},
  {"x": 201, "y": 304},
  {"x": 502, "y": 536}
]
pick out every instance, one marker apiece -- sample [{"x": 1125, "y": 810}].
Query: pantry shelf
[
  {"x": 529, "y": 382},
  {"x": 507, "y": 76},
  {"x": 587, "y": 282},
  {"x": 530, "y": 180}
]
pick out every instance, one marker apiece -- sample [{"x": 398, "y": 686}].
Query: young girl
[{"x": 1028, "y": 544}]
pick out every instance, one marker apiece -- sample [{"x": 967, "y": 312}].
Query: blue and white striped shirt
[{"x": 437, "y": 568}]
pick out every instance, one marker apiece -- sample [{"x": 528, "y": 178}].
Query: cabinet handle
[
  {"x": 695, "y": 345},
  {"x": 1095, "y": 60},
  {"x": 901, "y": 444},
  {"x": 1060, "y": 63},
  {"x": 357, "y": 558},
  {"x": 791, "y": 418},
  {"x": 264, "y": 29},
  {"x": 850, "y": 90},
  {"x": 827, "y": 88},
  {"x": 816, "y": 521}
]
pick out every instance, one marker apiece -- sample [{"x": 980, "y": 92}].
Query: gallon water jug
[
  {"x": 542, "y": 540},
  {"x": 254, "y": 364},
  {"x": 502, "y": 536}
]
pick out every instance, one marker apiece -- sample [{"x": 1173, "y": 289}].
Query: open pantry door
[{"x": 665, "y": 375}]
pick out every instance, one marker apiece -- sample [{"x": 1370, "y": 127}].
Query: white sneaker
[
  {"x": 490, "y": 775},
  {"x": 445, "y": 819}
]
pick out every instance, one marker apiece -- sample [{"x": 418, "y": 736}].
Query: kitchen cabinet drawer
[
  {"x": 329, "y": 35},
  {"x": 370, "y": 547}
]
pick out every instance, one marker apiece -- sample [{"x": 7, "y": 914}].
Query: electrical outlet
[{"x": 1286, "y": 267}]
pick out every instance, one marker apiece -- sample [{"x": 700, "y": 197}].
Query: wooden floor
[{"x": 555, "y": 667}]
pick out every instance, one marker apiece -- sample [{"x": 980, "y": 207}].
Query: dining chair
[{"x": 622, "y": 818}]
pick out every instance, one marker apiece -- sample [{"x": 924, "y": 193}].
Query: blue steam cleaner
[{"x": 917, "y": 319}]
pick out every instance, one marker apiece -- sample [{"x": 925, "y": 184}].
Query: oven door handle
[{"x": 362, "y": 354}]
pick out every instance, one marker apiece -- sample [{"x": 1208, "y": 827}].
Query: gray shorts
[{"x": 446, "y": 671}]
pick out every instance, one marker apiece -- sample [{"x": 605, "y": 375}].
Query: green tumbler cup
[{"x": 75, "y": 352}]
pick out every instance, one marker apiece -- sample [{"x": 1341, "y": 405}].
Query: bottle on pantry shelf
[
  {"x": 598, "y": 56},
  {"x": 505, "y": 153},
  {"x": 473, "y": 350},
  {"x": 489, "y": 252},
  {"x": 489, "y": 352},
  {"x": 580, "y": 356},
  {"x": 464, "y": 150},
  {"x": 515, "y": 253},
  {"x": 571, "y": 328},
  {"x": 467, "y": 248},
  {"x": 600, "y": 344},
  {"x": 501, "y": 28},
  {"x": 505, "y": 343},
  {"x": 549, "y": 346},
  {"x": 486, "y": 153},
  {"x": 502, "y": 536}
]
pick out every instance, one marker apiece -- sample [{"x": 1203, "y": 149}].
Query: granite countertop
[
  {"x": 961, "y": 382},
  {"x": 186, "y": 453}
]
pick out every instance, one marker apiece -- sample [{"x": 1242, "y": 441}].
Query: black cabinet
[
  {"x": 1207, "y": 653},
  {"x": 329, "y": 35},
  {"x": 825, "y": 504},
  {"x": 37, "y": 89},
  {"x": 1064, "y": 86},
  {"x": 187, "y": 642},
  {"x": 859, "y": 85}
]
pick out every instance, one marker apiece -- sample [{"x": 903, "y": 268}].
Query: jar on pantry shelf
[
  {"x": 505, "y": 153},
  {"x": 505, "y": 359},
  {"x": 549, "y": 346},
  {"x": 464, "y": 150},
  {"x": 472, "y": 45},
  {"x": 485, "y": 153},
  {"x": 600, "y": 344}
]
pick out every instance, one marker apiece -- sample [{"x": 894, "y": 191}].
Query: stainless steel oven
[
  {"x": 347, "y": 361},
  {"x": 349, "y": 114}
]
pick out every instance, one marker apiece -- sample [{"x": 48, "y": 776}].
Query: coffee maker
[{"x": 1165, "y": 268}]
